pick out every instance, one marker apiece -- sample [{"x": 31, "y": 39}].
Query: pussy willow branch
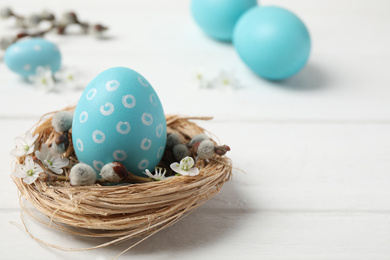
[{"x": 27, "y": 24}]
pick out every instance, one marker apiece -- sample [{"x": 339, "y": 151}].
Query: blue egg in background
[
  {"x": 119, "y": 118},
  {"x": 272, "y": 41},
  {"x": 24, "y": 56},
  {"x": 217, "y": 18}
]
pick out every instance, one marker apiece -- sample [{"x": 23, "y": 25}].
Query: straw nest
[{"x": 128, "y": 211}]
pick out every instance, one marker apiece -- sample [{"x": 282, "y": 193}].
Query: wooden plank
[
  {"x": 308, "y": 166},
  {"x": 219, "y": 233}
]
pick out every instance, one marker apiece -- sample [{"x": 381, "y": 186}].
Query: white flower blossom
[
  {"x": 159, "y": 174},
  {"x": 225, "y": 81},
  {"x": 185, "y": 167},
  {"x": 24, "y": 145},
  {"x": 29, "y": 171},
  {"x": 69, "y": 78},
  {"x": 43, "y": 78},
  {"x": 199, "y": 77},
  {"x": 51, "y": 160}
]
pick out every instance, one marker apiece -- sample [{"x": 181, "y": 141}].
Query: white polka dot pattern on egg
[
  {"x": 143, "y": 164},
  {"x": 119, "y": 155},
  {"x": 91, "y": 94},
  {"x": 146, "y": 144},
  {"x": 112, "y": 85},
  {"x": 126, "y": 103},
  {"x": 98, "y": 136},
  {"x": 105, "y": 111},
  {"x": 153, "y": 99},
  {"x": 98, "y": 165},
  {"x": 159, "y": 130},
  {"x": 83, "y": 117},
  {"x": 147, "y": 119},
  {"x": 37, "y": 47},
  {"x": 123, "y": 131},
  {"x": 80, "y": 145},
  {"x": 143, "y": 81},
  {"x": 160, "y": 152}
]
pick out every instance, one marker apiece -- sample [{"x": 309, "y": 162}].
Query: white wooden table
[{"x": 315, "y": 148}]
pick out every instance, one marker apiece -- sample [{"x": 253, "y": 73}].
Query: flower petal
[
  {"x": 30, "y": 179},
  {"x": 60, "y": 162},
  {"x": 19, "y": 173},
  {"x": 30, "y": 140},
  {"x": 21, "y": 140},
  {"x": 45, "y": 150},
  {"x": 29, "y": 162},
  {"x": 17, "y": 152},
  {"x": 39, "y": 155},
  {"x": 193, "y": 171},
  {"x": 28, "y": 136},
  {"x": 175, "y": 167},
  {"x": 183, "y": 172},
  {"x": 30, "y": 150},
  {"x": 148, "y": 173},
  {"x": 55, "y": 170},
  {"x": 38, "y": 168},
  {"x": 190, "y": 162}
]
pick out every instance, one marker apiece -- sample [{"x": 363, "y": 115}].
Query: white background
[{"x": 315, "y": 148}]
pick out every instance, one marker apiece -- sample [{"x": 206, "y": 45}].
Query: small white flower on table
[
  {"x": 68, "y": 77},
  {"x": 225, "y": 80},
  {"x": 43, "y": 78},
  {"x": 185, "y": 167},
  {"x": 199, "y": 77},
  {"x": 51, "y": 159},
  {"x": 29, "y": 171},
  {"x": 159, "y": 174},
  {"x": 24, "y": 145}
]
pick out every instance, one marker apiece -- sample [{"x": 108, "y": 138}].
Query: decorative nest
[{"x": 125, "y": 211}]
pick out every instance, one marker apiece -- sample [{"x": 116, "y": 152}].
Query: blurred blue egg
[
  {"x": 272, "y": 41},
  {"x": 23, "y": 57},
  {"x": 217, "y": 18},
  {"x": 119, "y": 118}
]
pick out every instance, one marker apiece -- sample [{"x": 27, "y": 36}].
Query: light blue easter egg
[
  {"x": 272, "y": 41},
  {"x": 23, "y": 57},
  {"x": 217, "y": 18},
  {"x": 119, "y": 118}
]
